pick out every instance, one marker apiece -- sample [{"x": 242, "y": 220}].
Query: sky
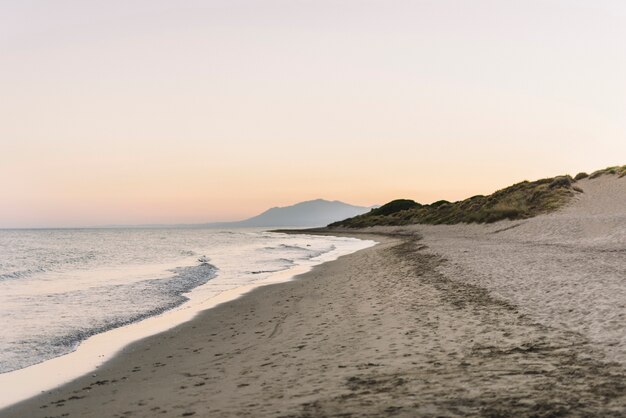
[{"x": 153, "y": 111}]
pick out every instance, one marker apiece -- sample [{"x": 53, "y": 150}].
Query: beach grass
[
  {"x": 519, "y": 201},
  {"x": 615, "y": 170}
]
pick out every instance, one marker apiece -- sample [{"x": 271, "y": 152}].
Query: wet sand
[{"x": 381, "y": 332}]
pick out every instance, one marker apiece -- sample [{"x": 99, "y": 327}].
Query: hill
[
  {"x": 311, "y": 213},
  {"x": 519, "y": 201}
]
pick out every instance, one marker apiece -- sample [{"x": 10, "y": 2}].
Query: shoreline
[
  {"x": 27, "y": 383},
  {"x": 378, "y": 332}
]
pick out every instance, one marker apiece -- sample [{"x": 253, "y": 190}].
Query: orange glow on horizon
[{"x": 214, "y": 111}]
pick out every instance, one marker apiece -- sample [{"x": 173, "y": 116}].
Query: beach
[
  {"x": 311, "y": 209},
  {"x": 422, "y": 324}
]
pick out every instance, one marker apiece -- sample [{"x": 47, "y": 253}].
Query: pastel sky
[{"x": 146, "y": 111}]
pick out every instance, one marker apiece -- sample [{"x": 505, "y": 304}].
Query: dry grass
[
  {"x": 520, "y": 201},
  {"x": 619, "y": 170}
]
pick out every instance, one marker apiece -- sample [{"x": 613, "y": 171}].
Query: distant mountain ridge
[{"x": 312, "y": 213}]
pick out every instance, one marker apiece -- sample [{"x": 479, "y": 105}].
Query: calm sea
[{"x": 58, "y": 287}]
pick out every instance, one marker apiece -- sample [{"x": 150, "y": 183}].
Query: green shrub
[
  {"x": 439, "y": 203},
  {"x": 561, "y": 181},
  {"x": 395, "y": 206}
]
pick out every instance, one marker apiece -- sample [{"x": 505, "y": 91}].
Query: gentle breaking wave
[
  {"x": 163, "y": 294},
  {"x": 20, "y": 274}
]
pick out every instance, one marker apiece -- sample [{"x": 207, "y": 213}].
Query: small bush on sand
[
  {"x": 394, "y": 206},
  {"x": 439, "y": 203},
  {"x": 581, "y": 176},
  {"x": 561, "y": 181}
]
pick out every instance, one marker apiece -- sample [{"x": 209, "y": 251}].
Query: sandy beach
[
  {"x": 311, "y": 209},
  {"x": 511, "y": 319}
]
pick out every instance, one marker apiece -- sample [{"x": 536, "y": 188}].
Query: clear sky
[{"x": 143, "y": 111}]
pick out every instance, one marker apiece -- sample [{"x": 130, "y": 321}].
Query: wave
[
  {"x": 20, "y": 274},
  {"x": 282, "y": 247},
  {"x": 43, "y": 265},
  {"x": 317, "y": 253},
  {"x": 307, "y": 250},
  {"x": 266, "y": 271},
  {"x": 133, "y": 302}
]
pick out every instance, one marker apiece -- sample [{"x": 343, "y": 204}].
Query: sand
[
  {"x": 565, "y": 270},
  {"x": 510, "y": 319}
]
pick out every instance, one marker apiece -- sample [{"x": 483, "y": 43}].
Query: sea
[{"x": 59, "y": 287}]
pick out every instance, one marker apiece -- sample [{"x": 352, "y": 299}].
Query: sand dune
[{"x": 566, "y": 270}]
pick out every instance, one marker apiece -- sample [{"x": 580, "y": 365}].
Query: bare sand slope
[
  {"x": 565, "y": 270},
  {"x": 382, "y": 332}
]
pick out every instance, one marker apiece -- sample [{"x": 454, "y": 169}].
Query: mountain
[{"x": 311, "y": 213}]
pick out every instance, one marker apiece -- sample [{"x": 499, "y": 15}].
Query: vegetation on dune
[
  {"x": 520, "y": 201},
  {"x": 393, "y": 207},
  {"x": 619, "y": 170}
]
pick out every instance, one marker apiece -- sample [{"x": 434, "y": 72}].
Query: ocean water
[{"x": 59, "y": 287}]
